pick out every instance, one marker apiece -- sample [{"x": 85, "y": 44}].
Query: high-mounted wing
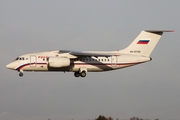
[
  {"x": 86, "y": 54},
  {"x": 90, "y": 54}
]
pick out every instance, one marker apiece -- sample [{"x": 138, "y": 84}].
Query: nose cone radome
[{"x": 10, "y": 66}]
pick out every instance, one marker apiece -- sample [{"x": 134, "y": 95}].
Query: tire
[
  {"x": 20, "y": 74},
  {"x": 76, "y": 74},
  {"x": 83, "y": 74}
]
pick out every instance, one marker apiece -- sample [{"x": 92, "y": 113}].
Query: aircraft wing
[{"x": 86, "y": 54}]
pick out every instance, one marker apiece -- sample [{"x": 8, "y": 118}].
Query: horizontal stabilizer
[{"x": 159, "y": 32}]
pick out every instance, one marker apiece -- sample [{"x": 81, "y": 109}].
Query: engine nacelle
[{"x": 58, "y": 62}]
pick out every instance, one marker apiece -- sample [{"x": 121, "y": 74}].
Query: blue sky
[{"x": 149, "y": 90}]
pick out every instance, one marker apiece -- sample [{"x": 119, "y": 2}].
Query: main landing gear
[{"x": 82, "y": 74}]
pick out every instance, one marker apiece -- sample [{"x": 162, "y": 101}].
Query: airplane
[{"x": 80, "y": 63}]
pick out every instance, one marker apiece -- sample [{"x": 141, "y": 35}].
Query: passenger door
[{"x": 33, "y": 61}]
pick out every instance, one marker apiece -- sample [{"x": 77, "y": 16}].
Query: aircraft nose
[{"x": 10, "y": 66}]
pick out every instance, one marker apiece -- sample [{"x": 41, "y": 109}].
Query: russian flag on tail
[{"x": 143, "y": 42}]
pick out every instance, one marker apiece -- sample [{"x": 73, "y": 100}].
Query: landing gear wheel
[
  {"x": 83, "y": 74},
  {"x": 76, "y": 74},
  {"x": 20, "y": 74}
]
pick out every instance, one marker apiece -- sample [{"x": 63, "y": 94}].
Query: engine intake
[{"x": 58, "y": 62}]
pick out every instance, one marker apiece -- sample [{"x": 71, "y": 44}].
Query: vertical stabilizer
[{"x": 145, "y": 43}]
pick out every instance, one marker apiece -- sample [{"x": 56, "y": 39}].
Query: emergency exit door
[{"x": 113, "y": 60}]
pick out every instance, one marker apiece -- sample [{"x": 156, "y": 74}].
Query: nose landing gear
[{"x": 20, "y": 73}]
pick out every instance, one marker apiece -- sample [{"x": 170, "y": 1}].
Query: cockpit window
[
  {"x": 17, "y": 58},
  {"x": 20, "y": 58}
]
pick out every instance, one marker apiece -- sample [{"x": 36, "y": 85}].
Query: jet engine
[{"x": 58, "y": 62}]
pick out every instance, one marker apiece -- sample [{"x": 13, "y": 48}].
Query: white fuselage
[{"x": 39, "y": 62}]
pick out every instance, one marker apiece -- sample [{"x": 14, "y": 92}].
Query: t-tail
[{"x": 145, "y": 42}]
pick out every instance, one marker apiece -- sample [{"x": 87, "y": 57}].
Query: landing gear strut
[{"x": 82, "y": 74}]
